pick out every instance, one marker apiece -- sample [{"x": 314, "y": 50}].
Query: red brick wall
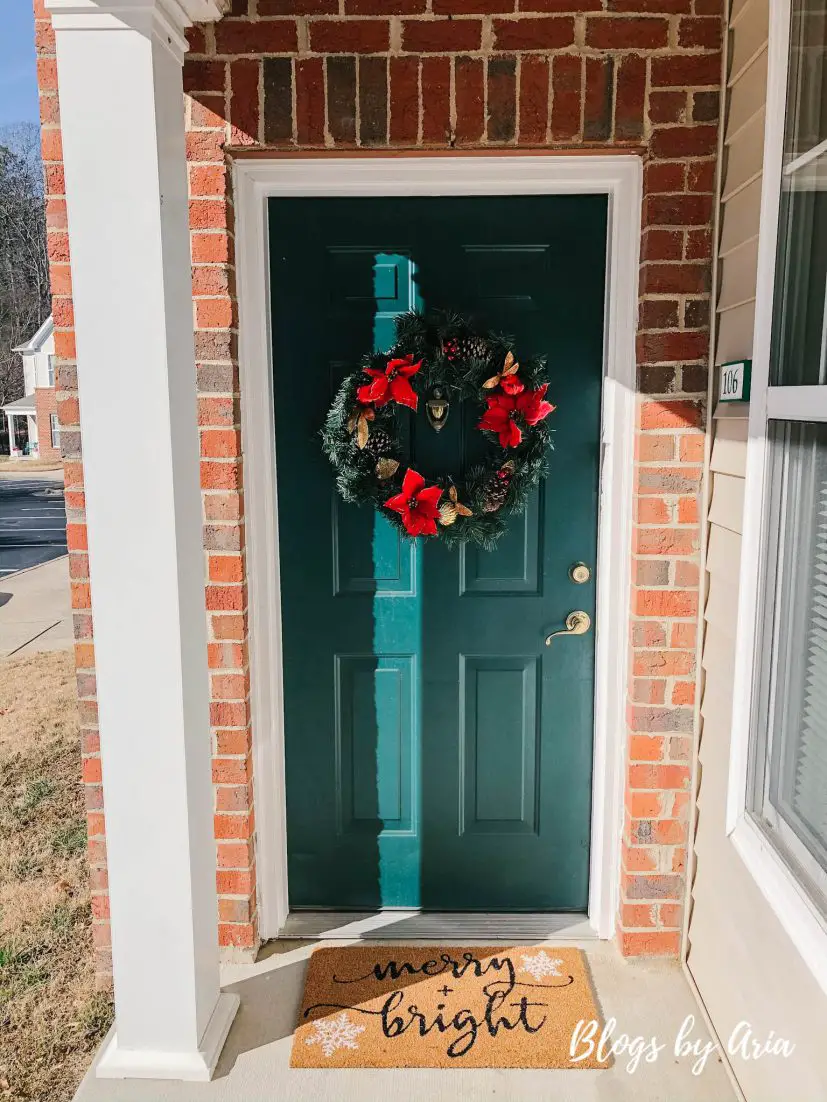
[
  {"x": 68, "y": 415},
  {"x": 45, "y": 404},
  {"x": 628, "y": 75}
]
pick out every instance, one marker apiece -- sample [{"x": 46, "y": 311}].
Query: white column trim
[
  {"x": 122, "y": 120},
  {"x": 168, "y": 19},
  {"x": 103, "y": 13}
]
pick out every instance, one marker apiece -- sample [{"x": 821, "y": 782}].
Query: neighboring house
[
  {"x": 387, "y": 726},
  {"x": 32, "y": 420}
]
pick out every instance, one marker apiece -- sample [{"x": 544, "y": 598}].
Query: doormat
[{"x": 406, "y": 1006}]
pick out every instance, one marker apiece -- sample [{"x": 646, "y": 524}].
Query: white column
[
  {"x": 121, "y": 101},
  {"x": 12, "y": 438}
]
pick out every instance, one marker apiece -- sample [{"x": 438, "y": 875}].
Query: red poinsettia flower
[
  {"x": 502, "y": 410},
  {"x": 533, "y": 406},
  {"x": 391, "y": 384},
  {"x": 417, "y": 505},
  {"x": 499, "y": 418},
  {"x": 511, "y": 384}
]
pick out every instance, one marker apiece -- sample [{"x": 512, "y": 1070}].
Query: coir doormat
[{"x": 405, "y": 1006}]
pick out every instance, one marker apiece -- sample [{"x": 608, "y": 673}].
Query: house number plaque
[{"x": 735, "y": 380}]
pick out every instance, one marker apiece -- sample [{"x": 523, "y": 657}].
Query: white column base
[{"x": 193, "y": 1067}]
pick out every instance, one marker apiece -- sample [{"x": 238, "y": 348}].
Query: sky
[{"x": 18, "y": 80}]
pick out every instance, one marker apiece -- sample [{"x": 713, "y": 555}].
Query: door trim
[{"x": 256, "y": 180}]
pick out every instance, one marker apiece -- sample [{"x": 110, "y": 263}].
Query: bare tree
[{"x": 24, "y": 268}]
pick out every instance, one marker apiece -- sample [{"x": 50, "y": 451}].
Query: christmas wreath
[{"x": 437, "y": 360}]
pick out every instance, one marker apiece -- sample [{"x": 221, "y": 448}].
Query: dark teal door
[{"x": 439, "y": 755}]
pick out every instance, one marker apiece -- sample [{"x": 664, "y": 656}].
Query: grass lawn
[
  {"x": 51, "y": 1016},
  {"x": 23, "y": 465}
]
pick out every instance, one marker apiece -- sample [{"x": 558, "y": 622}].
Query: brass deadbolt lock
[{"x": 579, "y": 573}]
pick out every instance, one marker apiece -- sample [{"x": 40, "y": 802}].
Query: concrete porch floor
[{"x": 648, "y": 998}]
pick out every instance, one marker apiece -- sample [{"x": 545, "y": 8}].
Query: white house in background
[{"x": 38, "y": 405}]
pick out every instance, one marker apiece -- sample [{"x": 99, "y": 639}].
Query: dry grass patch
[
  {"x": 51, "y": 1016},
  {"x": 8, "y": 464}
]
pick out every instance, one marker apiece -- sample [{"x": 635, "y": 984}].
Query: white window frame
[
  {"x": 54, "y": 430},
  {"x": 776, "y": 879}
]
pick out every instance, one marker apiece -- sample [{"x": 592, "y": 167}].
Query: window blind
[{"x": 809, "y": 789}]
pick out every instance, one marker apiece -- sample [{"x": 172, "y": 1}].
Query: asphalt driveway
[{"x": 32, "y": 521}]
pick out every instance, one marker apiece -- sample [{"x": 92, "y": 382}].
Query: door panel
[
  {"x": 515, "y": 567},
  {"x": 438, "y": 754},
  {"x": 384, "y": 565},
  {"x": 375, "y": 774},
  {"x": 498, "y": 744}
]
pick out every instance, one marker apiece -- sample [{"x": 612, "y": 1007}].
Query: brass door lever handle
[{"x": 577, "y": 623}]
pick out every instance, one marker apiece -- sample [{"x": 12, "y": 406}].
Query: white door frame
[{"x": 256, "y": 180}]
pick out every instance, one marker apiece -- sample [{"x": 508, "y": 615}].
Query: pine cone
[
  {"x": 496, "y": 490},
  {"x": 473, "y": 348},
  {"x": 379, "y": 444},
  {"x": 466, "y": 348}
]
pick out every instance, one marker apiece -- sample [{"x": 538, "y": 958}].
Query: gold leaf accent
[
  {"x": 386, "y": 468},
  {"x": 510, "y": 366},
  {"x": 360, "y": 415},
  {"x": 454, "y": 507},
  {"x": 447, "y": 513},
  {"x": 362, "y": 432}
]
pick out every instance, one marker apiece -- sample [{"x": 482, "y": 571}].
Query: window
[
  {"x": 781, "y": 767},
  {"x": 51, "y": 371},
  {"x": 799, "y": 355},
  {"x": 55, "y": 430},
  {"x": 788, "y": 770}
]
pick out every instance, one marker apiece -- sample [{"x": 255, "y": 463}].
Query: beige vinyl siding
[
  {"x": 743, "y": 962},
  {"x": 747, "y": 91},
  {"x": 731, "y": 328},
  {"x": 737, "y": 284},
  {"x": 740, "y": 228},
  {"x": 744, "y": 153}
]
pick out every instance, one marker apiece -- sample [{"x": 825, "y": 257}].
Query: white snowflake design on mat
[
  {"x": 541, "y": 964},
  {"x": 334, "y": 1033}
]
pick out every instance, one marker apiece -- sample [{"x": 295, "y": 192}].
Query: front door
[{"x": 438, "y": 753}]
